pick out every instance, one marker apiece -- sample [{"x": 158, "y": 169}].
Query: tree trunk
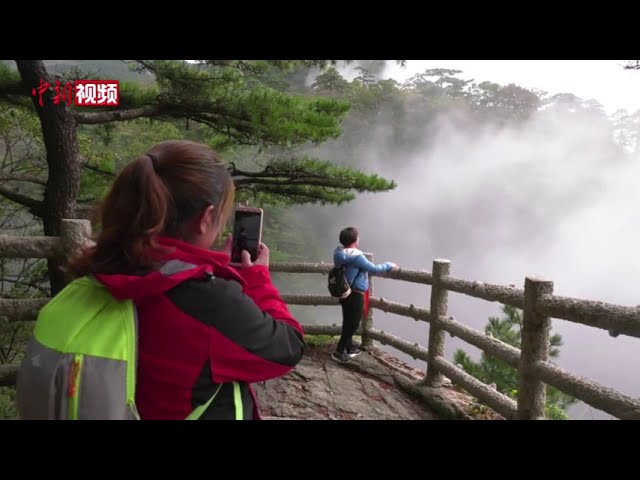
[{"x": 63, "y": 158}]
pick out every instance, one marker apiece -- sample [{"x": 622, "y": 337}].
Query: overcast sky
[{"x": 604, "y": 80}]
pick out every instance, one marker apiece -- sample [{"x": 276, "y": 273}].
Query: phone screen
[{"x": 246, "y": 234}]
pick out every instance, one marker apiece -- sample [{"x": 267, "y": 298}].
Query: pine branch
[
  {"x": 205, "y": 114},
  {"x": 222, "y": 97},
  {"x": 274, "y": 172},
  {"x": 13, "y": 88},
  {"x": 14, "y": 93},
  {"x": 297, "y": 195},
  {"x": 284, "y": 181},
  {"x": 92, "y": 168},
  {"x": 181, "y": 73},
  {"x": 217, "y": 122},
  {"x": 23, "y": 178},
  {"x": 143, "y": 65},
  {"x": 34, "y": 206},
  {"x": 95, "y": 118},
  {"x": 311, "y": 171}
]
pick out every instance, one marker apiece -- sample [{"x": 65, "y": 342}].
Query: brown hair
[{"x": 154, "y": 195}]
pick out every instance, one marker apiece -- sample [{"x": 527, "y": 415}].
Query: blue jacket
[{"x": 357, "y": 267}]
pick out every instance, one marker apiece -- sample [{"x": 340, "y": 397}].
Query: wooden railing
[
  {"x": 538, "y": 304},
  {"x": 536, "y": 299}
]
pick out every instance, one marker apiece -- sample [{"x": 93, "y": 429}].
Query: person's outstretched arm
[{"x": 363, "y": 264}]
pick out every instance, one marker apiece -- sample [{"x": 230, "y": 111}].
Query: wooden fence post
[
  {"x": 367, "y": 321},
  {"x": 74, "y": 235},
  {"x": 439, "y": 303},
  {"x": 535, "y": 348}
]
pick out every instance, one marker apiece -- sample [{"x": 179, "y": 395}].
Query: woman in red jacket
[{"x": 203, "y": 325}]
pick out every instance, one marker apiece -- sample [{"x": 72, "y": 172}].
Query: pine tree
[
  {"x": 226, "y": 98},
  {"x": 490, "y": 370}
]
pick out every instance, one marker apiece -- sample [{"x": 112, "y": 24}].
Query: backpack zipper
[{"x": 132, "y": 362}]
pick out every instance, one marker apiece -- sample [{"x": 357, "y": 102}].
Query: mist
[{"x": 552, "y": 197}]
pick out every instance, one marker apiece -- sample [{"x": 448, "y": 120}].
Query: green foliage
[
  {"x": 508, "y": 329},
  {"x": 510, "y": 103},
  {"x": 106, "y": 148},
  {"x": 109, "y": 146},
  {"x": 18, "y": 279},
  {"x": 8, "y": 410},
  {"x": 134, "y": 94},
  {"x": 228, "y": 105},
  {"x": 21, "y": 159},
  {"x": 318, "y": 340},
  {"x": 330, "y": 83},
  {"x": 323, "y": 340},
  {"x": 21, "y": 141},
  {"x": 554, "y": 411},
  {"x": 305, "y": 179},
  {"x": 24, "y": 278},
  {"x": 96, "y": 69},
  {"x": 10, "y": 87},
  {"x": 236, "y": 105},
  {"x": 442, "y": 81},
  {"x": 8, "y": 75},
  {"x": 13, "y": 336},
  {"x": 229, "y": 97}
]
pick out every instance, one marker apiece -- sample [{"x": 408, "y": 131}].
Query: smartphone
[{"x": 247, "y": 232}]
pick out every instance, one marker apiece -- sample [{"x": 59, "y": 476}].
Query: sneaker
[
  {"x": 340, "y": 357},
  {"x": 354, "y": 351}
]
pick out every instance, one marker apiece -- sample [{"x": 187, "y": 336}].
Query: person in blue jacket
[{"x": 357, "y": 268}]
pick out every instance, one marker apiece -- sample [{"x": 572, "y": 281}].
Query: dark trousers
[{"x": 352, "y": 307}]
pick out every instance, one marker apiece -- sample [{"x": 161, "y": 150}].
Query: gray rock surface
[{"x": 322, "y": 389}]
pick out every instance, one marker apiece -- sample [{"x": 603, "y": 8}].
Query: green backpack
[{"x": 81, "y": 362}]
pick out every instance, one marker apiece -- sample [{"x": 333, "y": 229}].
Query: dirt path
[{"x": 321, "y": 389}]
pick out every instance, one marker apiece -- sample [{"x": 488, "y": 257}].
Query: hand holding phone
[
  {"x": 262, "y": 259},
  {"x": 247, "y": 233}
]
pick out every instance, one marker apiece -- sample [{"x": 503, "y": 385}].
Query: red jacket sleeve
[
  {"x": 262, "y": 291},
  {"x": 254, "y": 337}
]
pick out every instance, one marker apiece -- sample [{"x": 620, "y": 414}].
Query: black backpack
[{"x": 338, "y": 285}]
